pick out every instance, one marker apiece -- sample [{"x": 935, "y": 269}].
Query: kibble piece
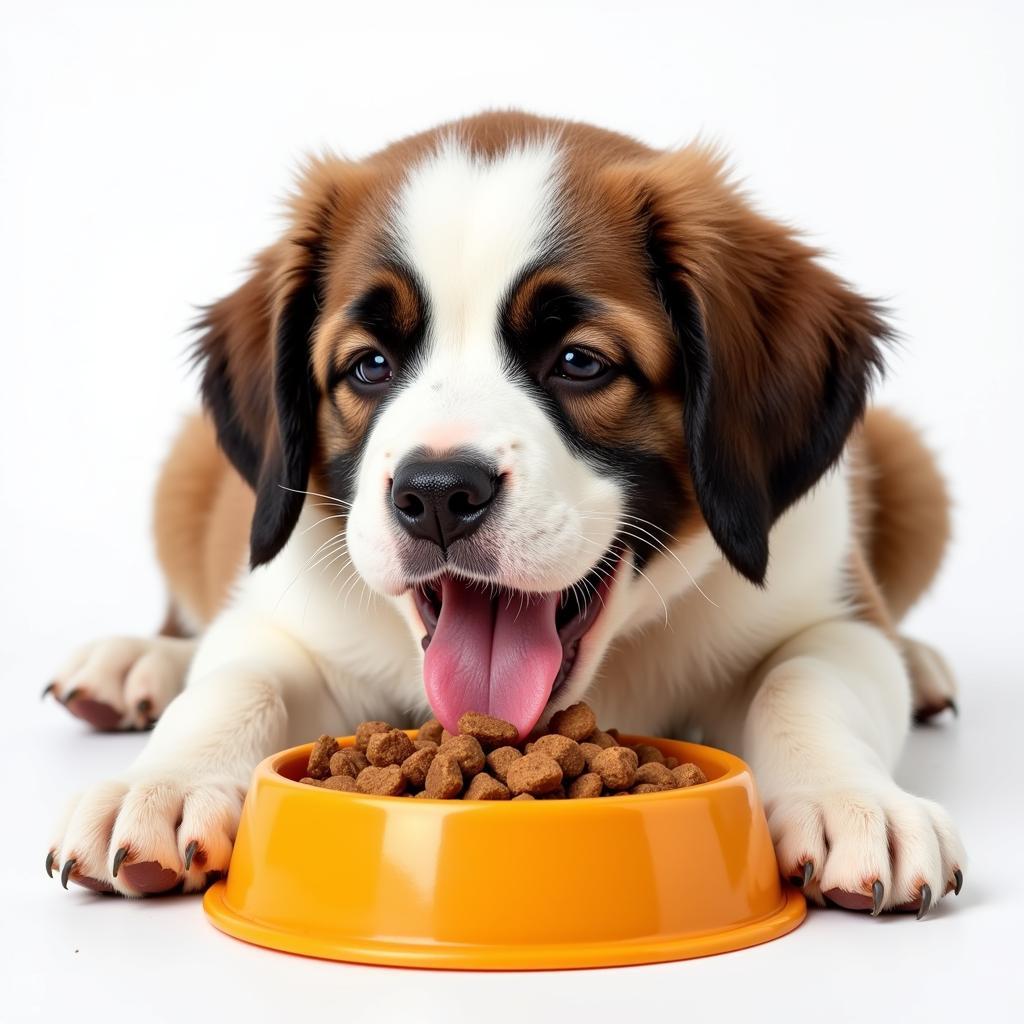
[
  {"x": 587, "y": 785},
  {"x": 577, "y": 722},
  {"x": 344, "y": 783},
  {"x": 688, "y": 775},
  {"x": 485, "y": 787},
  {"x": 356, "y": 757},
  {"x": 343, "y": 764},
  {"x": 444, "y": 777},
  {"x": 524, "y": 796},
  {"x": 498, "y": 761},
  {"x": 430, "y": 730},
  {"x": 417, "y": 764},
  {"x": 387, "y": 781},
  {"x": 558, "y": 793},
  {"x": 391, "y": 747},
  {"x": 366, "y": 729},
  {"x": 535, "y": 773},
  {"x": 589, "y": 752},
  {"x": 646, "y": 754},
  {"x": 311, "y": 782},
  {"x": 565, "y": 751},
  {"x": 655, "y": 774},
  {"x": 647, "y": 787},
  {"x": 447, "y": 737},
  {"x": 491, "y": 732},
  {"x": 320, "y": 757},
  {"x": 425, "y": 744},
  {"x": 602, "y": 739},
  {"x": 617, "y": 767},
  {"x": 671, "y": 762},
  {"x": 467, "y": 752}
]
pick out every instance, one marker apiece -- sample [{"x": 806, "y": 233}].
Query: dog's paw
[
  {"x": 123, "y": 682},
  {"x": 931, "y": 679},
  {"x": 867, "y": 848},
  {"x": 148, "y": 834}
]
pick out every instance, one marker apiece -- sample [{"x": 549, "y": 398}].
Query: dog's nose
[{"x": 442, "y": 500}]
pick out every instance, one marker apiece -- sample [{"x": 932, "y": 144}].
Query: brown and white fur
[{"x": 756, "y": 538}]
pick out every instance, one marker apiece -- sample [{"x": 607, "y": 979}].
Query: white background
[{"x": 142, "y": 153}]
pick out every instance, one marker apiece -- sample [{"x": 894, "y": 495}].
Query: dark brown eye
[
  {"x": 579, "y": 364},
  {"x": 371, "y": 369}
]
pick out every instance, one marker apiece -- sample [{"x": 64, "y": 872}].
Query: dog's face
[{"x": 541, "y": 364}]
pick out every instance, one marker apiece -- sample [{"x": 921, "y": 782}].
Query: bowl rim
[{"x": 734, "y": 768}]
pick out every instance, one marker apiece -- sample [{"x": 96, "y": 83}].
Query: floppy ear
[
  {"x": 254, "y": 350},
  {"x": 778, "y": 353}
]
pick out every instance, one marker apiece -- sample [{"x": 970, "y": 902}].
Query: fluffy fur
[{"x": 756, "y": 542}]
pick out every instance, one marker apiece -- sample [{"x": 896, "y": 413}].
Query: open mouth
[{"x": 503, "y": 651}]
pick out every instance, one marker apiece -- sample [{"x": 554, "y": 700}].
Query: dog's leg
[
  {"x": 822, "y": 725},
  {"x": 123, "y": 682},
  {"x": 171, "y": 818}
]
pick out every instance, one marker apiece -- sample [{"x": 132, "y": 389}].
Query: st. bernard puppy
[{"x": 518, "y": 412}]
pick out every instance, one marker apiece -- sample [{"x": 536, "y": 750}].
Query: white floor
[{"x": 69, "y": 955}]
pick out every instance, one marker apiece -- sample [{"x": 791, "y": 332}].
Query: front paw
[
  {"x": 148, "y": 834},
  {"x": 871, "y": 847}
]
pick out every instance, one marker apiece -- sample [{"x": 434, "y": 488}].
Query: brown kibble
[
  {"x": 524, "y": 796},
  {"x": 417, "y": 764},
  {"x": 577, "y": 722},
  {"x": 343, "y": 764},
  {"x": 444, "y": 777},
  {"x": 647, "y": 787},
  {"x": 617, "y": 767},
  {"x": 356, "y": 757},
  {"x": 319, "y": 766},
  {"x": 589, "y": 752},
  {"x": 588, "y": 785},
  {"x": 391, "y": 747},
  {"x": 688, "y": 775},
  {"x": 467, "y": 752},
  {"x": 604, "y": 740},
  {"x": 447, "y": 737},
  {"x": 565, "y": 751},
  {"x": 425, "y": 744},
  {"x": 535, "y": 773},
  {"x": 671, "y": 762},
  {"x": 646, "y": 754},
  {"x": 485, "y": 787},
  {"x": 310, "y": 782},
  {"x": 343, "y": 783},
  {"x": 430, "y": 730},
  {"x": 366, "y": 729},
  {"x": 421, "y": 795},
  {"x": 558, "y": 793},
  {"x": 491, "y": 732},
  {"x": 387, "y": 781},
  {"x": 499, "y": 760},
  {"x": 655, "y": 774}
]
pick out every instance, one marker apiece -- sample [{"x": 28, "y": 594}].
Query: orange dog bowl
[{"x": 488, "y": 885}]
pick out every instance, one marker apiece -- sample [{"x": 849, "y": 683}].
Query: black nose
[{"x": 442, "y": 500}]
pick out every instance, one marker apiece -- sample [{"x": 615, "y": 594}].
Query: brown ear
[
  {"x": 254, "y": 351},
  {"x": 778, "y": 354}
]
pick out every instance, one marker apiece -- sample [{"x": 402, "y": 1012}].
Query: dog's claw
[
  {"x": 808, "y": 874},
  {"x": 190, "y": 852},
  {"x": 926, "y": 901},
  {"x": 118, "y": 860},
  {"x": 49, "y": 862},
  {"x": 47, "y": 690},
  {"x": 65, "y": 872},
  {"x": 71, "y": 695},
  {"x": 877, "y": 897},
  {"x": 958, "y": 877},
  {"x": 952, "y": 705}
]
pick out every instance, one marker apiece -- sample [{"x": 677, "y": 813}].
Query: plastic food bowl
[{"x": 502, "y": 885}]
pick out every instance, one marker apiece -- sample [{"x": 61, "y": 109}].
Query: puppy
[{"x": 519, "y": 412}]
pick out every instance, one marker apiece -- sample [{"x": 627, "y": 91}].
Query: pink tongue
[{"x": 499, "y": 657}]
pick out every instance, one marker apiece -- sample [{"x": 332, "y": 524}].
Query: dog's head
[{"x": 540, "y": 363}]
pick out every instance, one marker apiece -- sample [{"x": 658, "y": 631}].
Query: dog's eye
[
  {"x": 579, "y": 364},
  {"x": 372, "y": 369}
]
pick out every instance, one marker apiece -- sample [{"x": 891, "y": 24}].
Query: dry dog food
[{"x": 571, "y": 759}]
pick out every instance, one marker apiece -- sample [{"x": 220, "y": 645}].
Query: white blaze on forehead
[{"x": 468, "y": 226}]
